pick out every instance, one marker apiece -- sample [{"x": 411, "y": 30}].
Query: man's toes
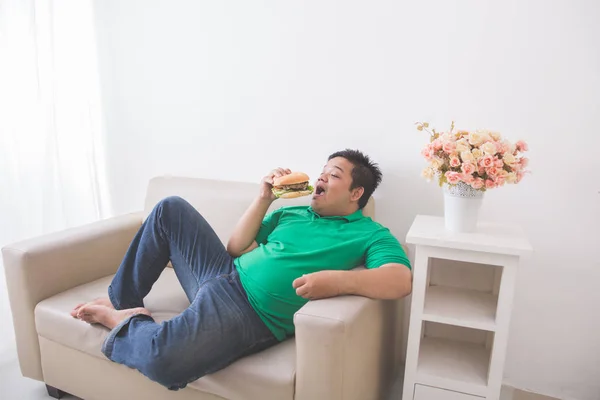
[
  {"x": 75, "y": 311},
  {"x": 89, "y": 313},
  {"x": 83, "y": 312}
]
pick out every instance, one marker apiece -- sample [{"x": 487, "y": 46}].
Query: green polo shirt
[{"x": 293, "y": 241}]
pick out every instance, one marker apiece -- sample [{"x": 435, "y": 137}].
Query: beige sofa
[{"x": 343, "y": 349}]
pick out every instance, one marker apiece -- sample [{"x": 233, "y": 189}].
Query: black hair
[{"x": 365, "y": 174}]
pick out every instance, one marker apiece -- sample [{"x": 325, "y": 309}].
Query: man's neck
[{"x": 344, "y": 213}]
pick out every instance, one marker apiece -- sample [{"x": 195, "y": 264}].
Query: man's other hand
[
  {"x": 318, "y": 285},
  {"x": 267, "y": 183}
]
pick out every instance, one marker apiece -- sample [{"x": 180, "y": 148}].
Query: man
[{"x": 243, "y": 298}]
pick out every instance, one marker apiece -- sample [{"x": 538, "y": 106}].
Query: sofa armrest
[
  {"x": 44, "y": 266},
  {"x": 344, "y": 348}
]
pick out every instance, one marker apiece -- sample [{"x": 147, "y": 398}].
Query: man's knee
[
  {"x": 173, "y": 202},
  {"x": 171, "y": 206},
  {"x": 173, "y": 369},
  {"x": 162, "y": 369}
]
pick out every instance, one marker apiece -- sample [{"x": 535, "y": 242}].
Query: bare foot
[
  {"x": 101, "y": 301},
  {"x": 109, "y": 317}
]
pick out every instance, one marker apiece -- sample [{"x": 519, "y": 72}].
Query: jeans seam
[
  {"x": 259, "y": 342},
  {"x": 181, "y": 255},
  {"x": 201, "y": 285},
  {"x": 205, "y": 283},
  {"x": 118, "y": 305},
  {"x": 112, "y": 298}
]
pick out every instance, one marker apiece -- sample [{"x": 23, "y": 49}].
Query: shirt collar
[{"x": 355, "y": 216}]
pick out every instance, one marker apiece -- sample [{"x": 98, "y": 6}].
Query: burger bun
[{"x": 290, "y": 179}]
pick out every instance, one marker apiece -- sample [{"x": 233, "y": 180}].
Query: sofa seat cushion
[{"x": 266, "y": 375}]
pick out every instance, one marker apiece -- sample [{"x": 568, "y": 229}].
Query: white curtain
[{"x": 51, "y": 157}]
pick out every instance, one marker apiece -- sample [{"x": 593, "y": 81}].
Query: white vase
[{"x": 461, "y": 207}]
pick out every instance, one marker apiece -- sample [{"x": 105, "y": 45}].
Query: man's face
[{"x": 332, "y": 195}]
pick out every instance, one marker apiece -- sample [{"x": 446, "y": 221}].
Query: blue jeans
[{"x": 217, "y": 328}]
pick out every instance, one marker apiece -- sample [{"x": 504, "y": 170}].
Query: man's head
[{"x": 347, "y": 182}]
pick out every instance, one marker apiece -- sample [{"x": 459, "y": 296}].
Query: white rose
[
  {"x": 485, "y": 134},
  {"x": 478, "y": 137},
  {"x": 428, "y": 173},
  {"x": 511, "y": 177},
  {"x": 489, "y": 148},
  {"x": 462, "y": 145},
  {"x": 508, "y": 158},
  {"x": 467, "y": 156},
  {"x": 495, "y": 135},
  {"x": 475, "y": 138},
  {"x": 477, "y": 153},
  {"x": 437, "y": 163}
]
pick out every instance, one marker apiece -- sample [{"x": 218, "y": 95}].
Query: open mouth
[{"x": 319, "y": 191}]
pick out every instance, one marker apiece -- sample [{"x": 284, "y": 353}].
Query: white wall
[{"x": 231, "y": 89}]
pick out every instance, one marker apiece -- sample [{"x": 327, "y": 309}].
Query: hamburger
[{"x": 291, "y": 185}]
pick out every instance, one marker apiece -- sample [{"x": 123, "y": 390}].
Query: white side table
[{"x": 458, "y": 334}]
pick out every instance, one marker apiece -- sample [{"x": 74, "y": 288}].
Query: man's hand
[
  {"x": 319, "y": 285},
  {"x": 267, "y": 183},
  {"x": 389, "y": 281}
]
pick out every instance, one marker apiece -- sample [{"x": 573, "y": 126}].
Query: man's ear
[{"x": 357, "y": 193}]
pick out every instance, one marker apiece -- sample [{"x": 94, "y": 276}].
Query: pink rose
[
  {"x": 492, "y": 171},
  {"x": 449, "y": 147},
  {"x": 522, "y": 145},
  {"x": 489, "y": 184},
  {"x": 452, "y": 177},
  {"x": 468, "y": 168},
  {"x": 477, "y": 183},
  {"x": 427, "y": 152},
  {"x": 524, "y": 162},
  {"x": 500, "y": 180},
  {"x": 519, "y": 176},
  {"x": 481, "y": 170},
  {"x": 498, "y": 163},
  {"x": 499, "y": 147},
  {"x": 467, "y": 178},
  {"x": 486, "y": 161},
  {"x": 454, "y": 161},
  {"x": 437, "y": 144}
]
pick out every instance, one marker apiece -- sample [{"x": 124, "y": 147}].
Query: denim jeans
[{"x": 217, "y": 328}]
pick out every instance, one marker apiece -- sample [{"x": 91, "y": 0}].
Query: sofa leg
[{"x": 54, "y": 392}]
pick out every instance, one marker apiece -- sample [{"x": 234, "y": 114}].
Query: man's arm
[
  {"x": 390, "y": 281},
  {"x": 242, "y": 238}
]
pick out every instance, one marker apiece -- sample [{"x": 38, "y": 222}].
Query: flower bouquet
[{"x": 469, "y": 163}]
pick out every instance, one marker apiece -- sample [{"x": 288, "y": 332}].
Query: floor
[
  {"x": 15, "y": 387},
  {"x": 520, "y": 395}
]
